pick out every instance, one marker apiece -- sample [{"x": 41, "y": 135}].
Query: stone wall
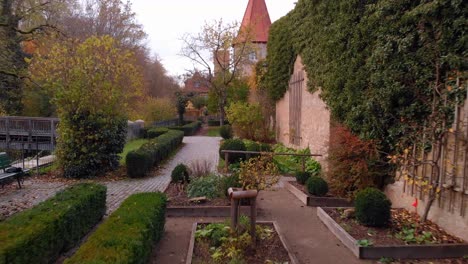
[{"x": 315, "y": 120}]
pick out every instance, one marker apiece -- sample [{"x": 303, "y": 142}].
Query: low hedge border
[
  {"x": 42, "y": 233},
  {"x": 189, "y": 129},
  {"x": 216, "y": 122},
  {"x": 139, "y": 162},
  {"x": 128, "y": 235},
  {"x": 156, "y": 132}
]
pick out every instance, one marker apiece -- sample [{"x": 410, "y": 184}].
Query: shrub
[
  {"x": 258, "y": 173},
  {"x": 204, "y": 186},
  {"x": 352, "y": 163},
  {"x": 302, "y": 177},
  {"x": 128, "y": 235},
  {"x": 189, "y": 129},
  {"x": 372, "y": 207},
  {"x": 157, "y": 109},
  {"x": 140, "y": 162},
  {"x": 225, "y": 131},
  {"x": 227, "y": 182},
  {"x": 180, "y": 174},
  {"x": 40, "y": 234},
  {"x": 317, "y": 186},
  {"x": 156, "y": 132},
  {"x": 233, "y": 144},
  {"x": 90, "y": 144},
  {"x": 245, "y": 118},
  {"x": 313, "y": 167}
]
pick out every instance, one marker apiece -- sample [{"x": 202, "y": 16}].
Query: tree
[
  {"x": 181, "y": 104},
  {"x": 91, "y": 83},
  {"x": 221, "y": 54},
  {"x": 20, "y": 21}
]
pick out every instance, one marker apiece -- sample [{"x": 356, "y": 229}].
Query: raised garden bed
[
  {"x": 274, "y": 248},
  {"x": 328, "y": 201},
  {"x": 179, "y": 205},
  {"x": 394, "y": 241}
]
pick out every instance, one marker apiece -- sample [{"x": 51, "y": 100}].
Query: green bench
[{"x": 6, "y": 177}]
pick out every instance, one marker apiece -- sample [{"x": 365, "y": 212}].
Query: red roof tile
[{"x": 257, "y": 19}]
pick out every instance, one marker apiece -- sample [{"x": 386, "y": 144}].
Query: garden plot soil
[
  {"x": 178, "y": 197},
  {"x": 270, "y": 249},
  {"x": 387, "y": 236}
]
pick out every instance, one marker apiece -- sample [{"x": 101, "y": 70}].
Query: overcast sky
[{"x": 166, "y": 21}]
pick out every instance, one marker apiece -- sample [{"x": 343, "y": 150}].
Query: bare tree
[{"x": 221, "y": 50}]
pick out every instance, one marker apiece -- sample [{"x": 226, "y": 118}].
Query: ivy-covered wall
[{"x": 377, "y": 61}]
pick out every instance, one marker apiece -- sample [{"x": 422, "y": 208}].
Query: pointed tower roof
[{"x": 257, "y": 20}]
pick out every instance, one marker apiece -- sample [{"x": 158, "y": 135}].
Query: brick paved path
[
  {"x": 35, "y": 190},
  {"x": 195, "y": 148}
]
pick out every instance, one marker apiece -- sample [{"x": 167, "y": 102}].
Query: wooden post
[
  {"x": 226, "y": 161},
  {"x": 234, "y": 214},
  {"x": 253, "y": 220}
]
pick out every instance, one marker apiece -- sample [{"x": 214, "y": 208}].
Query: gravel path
[{"x": 13, "y": 200}]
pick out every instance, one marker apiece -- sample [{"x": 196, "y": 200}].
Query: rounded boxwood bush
[
  {"x": 302, "y": 177},
  {"x": 372, "y": 207},
  {"x": 233, "y": 144},
  {"x": 317, "y": 186},
  {"x": 226, "y": 132},
  {"x": 180, "y": 174}
]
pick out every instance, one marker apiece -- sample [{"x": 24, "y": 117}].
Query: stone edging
[
  {"x": 316, "y": 201},
  {"x": 292, "y": 257},
  {"x": 396, "y": 252},
  {"x": 203, "y": 211}
]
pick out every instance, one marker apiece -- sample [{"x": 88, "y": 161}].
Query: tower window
[{"x": 253, "y": 56}]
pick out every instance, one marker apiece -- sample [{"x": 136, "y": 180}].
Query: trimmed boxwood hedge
[
  {"x": 212, "y": 122},
  {"x": 139, "y": 162},
  {"x": 156, "y": 132},
  {"x": 42, "y": 233},
  {"x": 189, "y": 129},
  {"x": 129, "y": 233}
]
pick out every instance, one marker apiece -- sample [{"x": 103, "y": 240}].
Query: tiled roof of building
[{"x": 257, "y": 19}]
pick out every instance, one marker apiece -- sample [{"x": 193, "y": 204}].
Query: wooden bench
[{"x": 6, "y": 177}]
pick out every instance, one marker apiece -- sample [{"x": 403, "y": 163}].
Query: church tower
[{"x": 255, "y": 28}]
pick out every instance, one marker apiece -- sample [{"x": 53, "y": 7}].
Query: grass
[
  {"x": 213, "y": 132},
  {"x": 131, "y": 145}
]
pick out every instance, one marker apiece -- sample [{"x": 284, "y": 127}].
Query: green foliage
[
  {"x": 246, "y": 119},
  {"x": 199, "y": 102},
  {"x": 207, "y": 186},
  {"x": 226, "y": 132},
  {"x": 181, "y": 103},
  {"x": 302, "y": 177},
  {"x": 216, "y": 123},
  {"x": 91, "y": 83},
  {"x": 42, "y": 233},
  {"x": 215, "y": 232},
  {"x": 388, "y": 75},
  {"x": 365, "y": 243},
  {"x": 156, "y": 132},
  {"x": 227, "y": 182},
  {"x": 189, "y": 129},
  {"x": 292, "y": 164},
  {"x": 180, "y": 174},
  {"x": 90, "y": 144},
  {"x": 372, "y": 207},
  {"x": 130, "y": 146},
  {"x": 156, "y": 109},
  {"x": 259, "y": 173},
  {"x": 233, "y": 144},
  {"x": 129, "y": 233},
  {"x": 151, "y": 154},
  {"x": 409, "y": 236},
  {"x": 317, "y": 186}
]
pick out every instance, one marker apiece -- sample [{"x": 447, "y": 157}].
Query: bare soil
[
  {"x": 269, "y": 249},
  {"x": 401, "y": 219},
  {"x": 178, "y": 197}
]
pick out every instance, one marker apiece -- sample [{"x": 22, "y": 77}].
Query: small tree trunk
[{"x": 431, "y": 200}]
